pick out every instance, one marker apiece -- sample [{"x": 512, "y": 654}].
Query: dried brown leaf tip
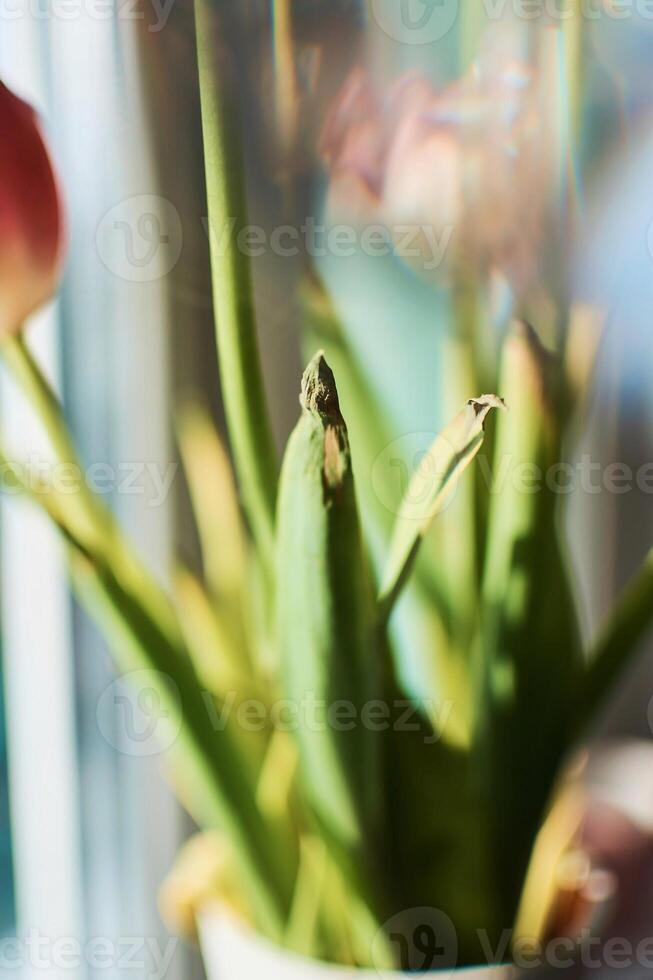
[
  {"x": 319, "y": 394},
  {"x": 485, "y": 403}
]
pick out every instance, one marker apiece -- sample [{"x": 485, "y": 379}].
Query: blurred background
[{"x": 88, "y": 827}]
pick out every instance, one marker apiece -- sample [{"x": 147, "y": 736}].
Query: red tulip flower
[{"x": 31, "y": 215}]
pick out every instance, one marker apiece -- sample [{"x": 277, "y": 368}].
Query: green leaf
[
  {"x": 437, "y": 844},
  {"x": 435, "y": 477},
  {"x": 304, "y": 919},
  {"x": 215, "y": 502},
  {"x": 620, "y": 640},
  {"x": 442, "y": 669},
  {"x": 214, "y": 768},
  {"x": 82, "y": 513},
  {"x": 531, "y": 658},
  {"x": 277, "y": 775},
  {"x": 325, "y": 626},
  {"x": 218, "y": 655},
  {"x": 214, "y": 773}
]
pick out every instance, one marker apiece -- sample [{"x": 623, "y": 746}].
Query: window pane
[{"x": 7, "y": 916}]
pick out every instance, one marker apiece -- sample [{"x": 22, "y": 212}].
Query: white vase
[{"x": 233, "y": 952}]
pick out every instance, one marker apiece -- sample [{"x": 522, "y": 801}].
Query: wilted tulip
[
  {"x": 31, "y": 216},
  {"x": 353, "y": 146},
  {"x": 468, "y": 168}
]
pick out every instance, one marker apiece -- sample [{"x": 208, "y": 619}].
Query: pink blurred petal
[
  {"x": 471, "y": 163},
  {"x": 352, "y": 144}
]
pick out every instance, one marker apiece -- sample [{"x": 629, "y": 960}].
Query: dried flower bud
[{"x": 31, "y": 215}]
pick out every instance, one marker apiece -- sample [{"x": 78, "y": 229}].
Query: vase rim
[{"x": 217, "y": 924}]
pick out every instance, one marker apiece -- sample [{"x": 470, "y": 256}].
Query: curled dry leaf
[{"x": 430, "y": 487}]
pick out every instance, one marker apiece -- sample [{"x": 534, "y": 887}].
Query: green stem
[
  {"x": 627, "y": 626},
  {"x": 41, "y": 395},
  {"x": 240, "y": 367},
  {"x": 474, "y": 21},
  {"x": 575, "y": 70},
  {"x": 284, "y": 73},
  {"x": 93, "y": 522}
]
